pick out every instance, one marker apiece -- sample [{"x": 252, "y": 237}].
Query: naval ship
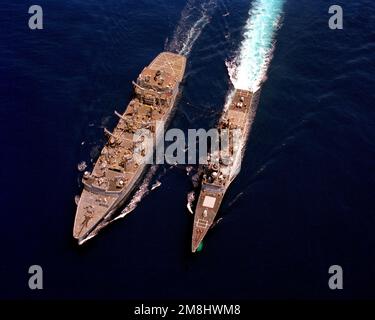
[
  {"x": 117, "y": 170},
  {"x": 223, "y": 166}
]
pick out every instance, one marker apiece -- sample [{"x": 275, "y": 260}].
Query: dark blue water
[{"x": 305, "y": 197}]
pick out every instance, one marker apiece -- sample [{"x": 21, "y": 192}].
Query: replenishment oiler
[
  {"x": 117, "y": 172},
  {"x": 223, "y": 165}
]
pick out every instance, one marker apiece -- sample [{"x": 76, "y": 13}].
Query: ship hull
[
  {"x": 212, "y": 193},
  {"x": 99, "y": 204}
]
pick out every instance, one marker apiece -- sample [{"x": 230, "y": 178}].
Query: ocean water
[{"x": 304, "y": 199}]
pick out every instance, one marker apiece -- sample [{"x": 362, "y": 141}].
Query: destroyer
[
  {"x": 116, "y": 171},
  {"x": 223, "y": 166}
]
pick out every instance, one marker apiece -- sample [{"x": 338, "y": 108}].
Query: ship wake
[
  {"x": 143, "y": 190},
  {"x": 194, "y": 18},
  {"x": 248, "y": 69}
]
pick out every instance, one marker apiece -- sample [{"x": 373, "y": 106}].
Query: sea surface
[{"x": 304, "y": 199}]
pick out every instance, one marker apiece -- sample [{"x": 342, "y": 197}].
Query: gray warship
[
  {"x": 223, "y": 167},
  {"x": 116, "y": 172}
]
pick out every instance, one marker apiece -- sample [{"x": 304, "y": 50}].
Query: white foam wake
[
  {"x": 249, "y": 68},
  {"x": 142, "y": 191},
  {"x": 194, "y": 18}
]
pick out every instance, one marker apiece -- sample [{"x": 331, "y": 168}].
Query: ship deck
[
  {"x": 170, "y": 63},
  {"x": 207, "y": 208}
]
